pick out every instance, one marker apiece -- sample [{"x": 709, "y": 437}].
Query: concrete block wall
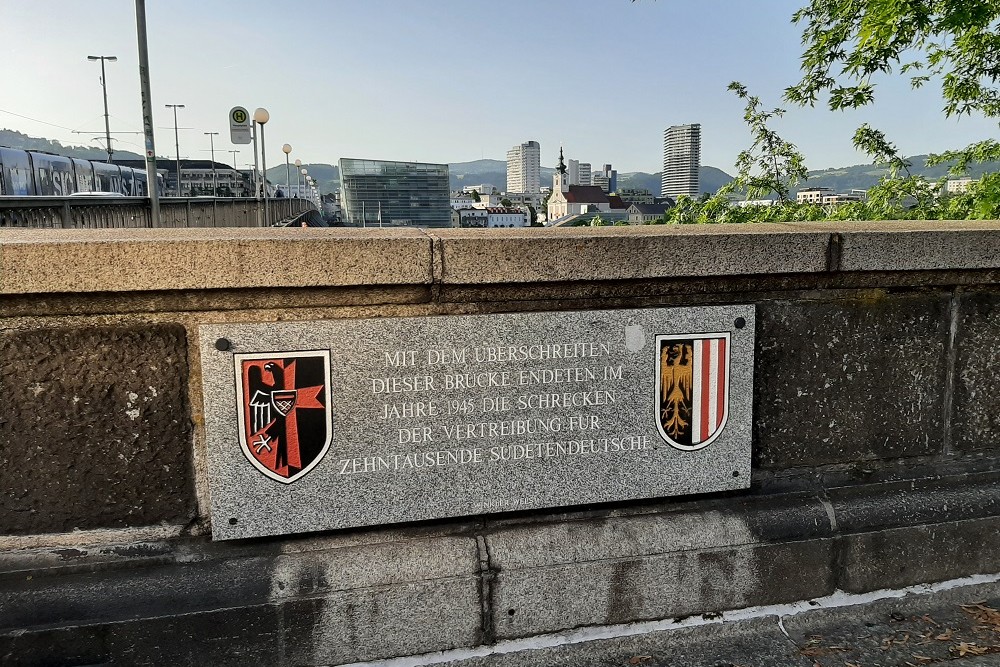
[{"x": 875, "y": 438}]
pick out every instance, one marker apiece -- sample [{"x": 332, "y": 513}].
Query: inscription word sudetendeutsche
[{"x": 479, "y": 455}]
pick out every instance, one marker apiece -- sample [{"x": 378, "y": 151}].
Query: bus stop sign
[{"x": 240, "y": 126}]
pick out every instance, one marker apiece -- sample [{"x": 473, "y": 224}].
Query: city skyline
[{"x": 392, "y": 80}]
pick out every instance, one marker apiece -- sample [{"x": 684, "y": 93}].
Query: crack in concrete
[
  {"x": 486, "y": 575},
  {"x": 951, "y": 359}
]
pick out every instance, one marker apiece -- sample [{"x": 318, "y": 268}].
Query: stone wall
[{"x": 875, "y": 437}]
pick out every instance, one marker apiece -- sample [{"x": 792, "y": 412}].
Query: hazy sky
[{"x": 440, "y": 80}]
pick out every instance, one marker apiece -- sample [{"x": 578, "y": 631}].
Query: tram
[{"x": 33, "y": 173}]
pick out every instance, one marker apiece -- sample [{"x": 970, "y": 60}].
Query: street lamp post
[
  {"x": 177, "y": 144},
  {"x": 298, "y": 178},
  {"x": 261, "y": 116},
  {"x": 236, "y": 168},
  {"x": 104, "y": 87},
  {"x": 286, "y": 149},
  {"x": 215, "y": 180},
  {"x": 147, "y": 113},
  {"x": 256, "y": 168}
]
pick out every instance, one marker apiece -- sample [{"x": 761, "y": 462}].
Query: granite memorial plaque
[{"x": 340, "y": 423}]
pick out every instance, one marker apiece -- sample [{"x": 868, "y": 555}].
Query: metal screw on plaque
[
  {"x": 223, "y": 344},
  {"x": 740, "y": 323},
  {"x": 232, "y": 522},
  {"x": 736, "y": 473}
]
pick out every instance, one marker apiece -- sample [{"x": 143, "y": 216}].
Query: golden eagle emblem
[
  {"x": 675, "y": 387},
  {"x": 692, "y": 376}
]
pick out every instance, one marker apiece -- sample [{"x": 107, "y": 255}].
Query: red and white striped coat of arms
[{"x": 692, "y": 385}]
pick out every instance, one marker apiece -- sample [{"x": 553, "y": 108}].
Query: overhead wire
[
  {"x": 75, "y": 131},
  {"x": 62, "y": 127}
]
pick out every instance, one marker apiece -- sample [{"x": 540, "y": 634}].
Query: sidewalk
[{"x": 959, "y": 626}]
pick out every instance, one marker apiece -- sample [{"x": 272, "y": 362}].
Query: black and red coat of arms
[{"x": 283, "y": 401}]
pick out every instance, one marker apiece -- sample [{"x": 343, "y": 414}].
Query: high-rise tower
[
  {"x": 524, "y": 168},
  {"x": 572, "y": 170},
  {"x": 681, "y": 161}
]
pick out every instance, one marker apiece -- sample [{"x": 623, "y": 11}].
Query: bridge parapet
[
  {"x": 875, "y": 437},
  {"x": 134, "y": 212}
]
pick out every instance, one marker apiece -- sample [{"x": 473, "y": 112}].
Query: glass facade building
[{"x": 410, "y": 194}]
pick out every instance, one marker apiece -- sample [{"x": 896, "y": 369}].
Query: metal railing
[{"x": 125, "y": 212}]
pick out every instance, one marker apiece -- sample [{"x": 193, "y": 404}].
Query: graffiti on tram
[{"x": 30, "y": 173}]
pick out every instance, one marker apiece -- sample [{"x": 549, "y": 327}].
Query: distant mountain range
[
  {"x": 864, "y": 176},
  {"x": 709, "y": 178},
  {"x": 15, "y": 139},
  {"x": 841, "y": 179}
]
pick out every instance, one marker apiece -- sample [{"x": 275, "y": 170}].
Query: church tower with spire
[{"x": 560, "y": 180}]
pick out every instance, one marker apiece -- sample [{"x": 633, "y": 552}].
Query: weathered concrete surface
[
  {"x": 841, "y": 381},
  {"x": 918, "y": 245},
  {"x": 898, "y": 557},
  {"x": 172, "y": 259},
  {"x": 360, "y": 596},
  {"x": 95, "y": 429},
  {"x": 542, "y": 255},
  {"x": 931, "y": 497},
  {"x": 842, "y": 495},
  {"x": 957, "y": 627},
  {"x": 552, "y": 577},
  {"x": 658, "y": 586},
  {"x": 369, "y": 600},
  {"x": 975, "y": 424},
  {"x": 902, "y": 533},
  {"x": 123, "y": 260},
  {"x": 382, "y": 623},
  {"x": 751, "y": 643},
  {"x": 379, "y": 600},
  {"x": 237, "y": 637}
]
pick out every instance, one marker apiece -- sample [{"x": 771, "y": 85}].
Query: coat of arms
[
  {"x": 692, "y": 380},
  {"x": 283, "y": 401}
]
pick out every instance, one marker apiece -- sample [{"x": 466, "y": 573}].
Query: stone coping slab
[
  {"x": 625, "y": 253},
  {"x": 914, "y": 245},
  {"x": 38, "y": 261}
]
